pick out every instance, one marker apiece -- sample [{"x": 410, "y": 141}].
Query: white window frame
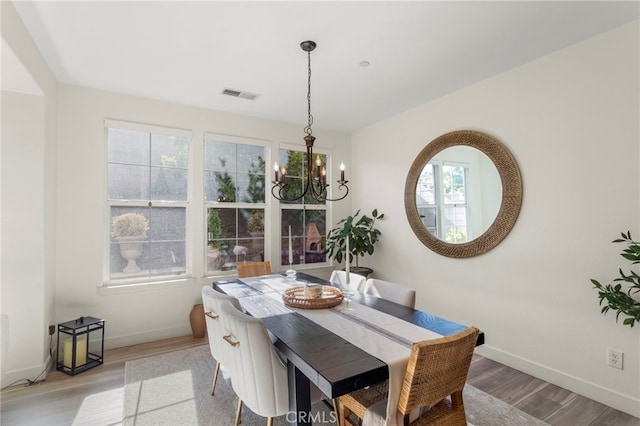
[
  {"x": 152, "y": 129},
  {"x": 237, "y": 205},
  {"x": 326, "y": 206},
  {"x": 441, "y": 200}
]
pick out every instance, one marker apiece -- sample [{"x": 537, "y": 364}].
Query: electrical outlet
[
  {"x": 615, "y": 358},
  {"x": 52, "y": 330}
]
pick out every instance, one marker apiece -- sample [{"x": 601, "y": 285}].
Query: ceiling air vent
[{"x": 239, "y": 94}]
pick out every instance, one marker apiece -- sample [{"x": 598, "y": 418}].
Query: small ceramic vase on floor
[{"x": 198, "y": 323}]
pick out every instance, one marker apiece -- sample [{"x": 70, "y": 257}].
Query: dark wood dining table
[{"x": 314, "y": 354}]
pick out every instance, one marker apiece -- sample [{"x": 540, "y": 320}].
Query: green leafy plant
[
  {"x": 362, "y": 236},
  {"x": 129, "y": 225},
  {"x": 224, "y": 184},
  {"x": 618, "y": 297}
]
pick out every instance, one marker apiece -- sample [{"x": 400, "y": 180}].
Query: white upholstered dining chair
[
  {"x": 356, "y": 282},
  {"x": 212, "y": 299},
  {"x": 391, "y": 291},
  {"x": 258, "y": 375}
]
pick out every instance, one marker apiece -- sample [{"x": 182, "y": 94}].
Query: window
[
  {"x": 426, "y": 199},
  {"x": 441, "y": 196},
  {"x": 234, "y": 183},
  {"x": 307, "y": 217},
  {"x": 147, "y": 177},
  {"x": 454, "y": 203}
]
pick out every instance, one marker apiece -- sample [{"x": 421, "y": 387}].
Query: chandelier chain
[{"x": 307, "y": 129}]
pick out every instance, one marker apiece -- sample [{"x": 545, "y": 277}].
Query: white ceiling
[{"x": 187, "y": 52}]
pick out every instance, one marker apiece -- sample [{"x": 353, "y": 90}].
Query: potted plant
[
  {"x": 130, "y": 229},
  {"x": 617, "y": 297},
  {"x": 362, "y": 238}
]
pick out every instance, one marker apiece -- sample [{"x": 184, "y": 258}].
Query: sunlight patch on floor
[{"x": 101, "y": 409}]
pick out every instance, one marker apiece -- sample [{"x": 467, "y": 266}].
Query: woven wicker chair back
[
  {"x": 437, "y": 368},
  {"x": 253, "y": 269}
]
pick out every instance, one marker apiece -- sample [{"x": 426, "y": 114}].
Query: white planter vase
[{"x": 131, "y": 250}]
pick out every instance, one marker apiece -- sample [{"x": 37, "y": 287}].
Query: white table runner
[{"x": 384, "y": 336}]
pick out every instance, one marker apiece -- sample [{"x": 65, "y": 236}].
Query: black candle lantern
[{"x": 76, "y": 339}]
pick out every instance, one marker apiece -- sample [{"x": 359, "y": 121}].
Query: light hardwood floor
[{"x": 95, "y": 396}]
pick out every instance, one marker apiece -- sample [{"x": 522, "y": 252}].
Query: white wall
[
  {"x": 28, "y": 210},
  {"x": 143, "y": 313},
  {"x": 571, "y": 120}
]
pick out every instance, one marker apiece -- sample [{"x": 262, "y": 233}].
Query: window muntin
[
  {"x": 426, "y": 198},
  {"x": 454, "y": 203},
  {"x": 296, "y": 166},
  {"x": 232, "y": 237},
  {"x": 147, "y": 174},
  {"x": 307, "y": 216},
  {"x": 441, "y": 199},
  {"x": 234, "y": 187},
  {"x": 234, "y": 172},
  {"x": 308, "y": 228},
  {"x": 162, "y": 252}
]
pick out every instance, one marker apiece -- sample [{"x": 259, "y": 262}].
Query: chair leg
[
  {"x": 215, "y": 378},
  {"x": 335, "y": 410},
  {"x": 238, "y": 412},
  {"x": 456, "y": 399},
  {"x": 269, "y": 421},
  {"x": 344, "y": 417}
]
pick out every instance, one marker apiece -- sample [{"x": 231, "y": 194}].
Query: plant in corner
[
  {"x": 618, "y": 297},
  {"x": 362, "y": 238}
]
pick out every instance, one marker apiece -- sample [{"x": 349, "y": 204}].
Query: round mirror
[{"x": 463, "y": 194}]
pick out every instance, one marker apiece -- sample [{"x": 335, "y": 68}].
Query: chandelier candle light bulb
[
  {"x": 342, "y": 172},
  {"x": 275, "y": 168}
]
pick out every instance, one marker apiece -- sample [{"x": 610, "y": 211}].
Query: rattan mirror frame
[{"x": 511, "y": 193}]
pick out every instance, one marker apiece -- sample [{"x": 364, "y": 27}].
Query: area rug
[{"x": 175, "y": 389}]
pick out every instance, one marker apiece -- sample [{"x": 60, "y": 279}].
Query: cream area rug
[{"x": 175, "y": 389}]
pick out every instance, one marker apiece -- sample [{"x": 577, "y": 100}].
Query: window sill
[{"x": 110, "y": 288}]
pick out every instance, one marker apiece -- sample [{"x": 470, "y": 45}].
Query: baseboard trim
[
  {"x": 596, "y": 392},
  {"x": 30, "y": 373},
  {"x": 148, "y": 336}
]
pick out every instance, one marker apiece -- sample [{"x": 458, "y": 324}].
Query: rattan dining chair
[
  {"x": 253, "y": 269},
  {"x": 212, "y": 299},
  {"x": 435, "y": 376}
]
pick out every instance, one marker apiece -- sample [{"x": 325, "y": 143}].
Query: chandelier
[{"x": 316, "y": 177}]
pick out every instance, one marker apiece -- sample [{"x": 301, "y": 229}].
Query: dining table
[{"x": 339, "y": 349}]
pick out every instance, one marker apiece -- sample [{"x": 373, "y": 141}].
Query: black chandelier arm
[
  {"x": 315, "y": 189},
  {"x": 281, "y": 186},
  {"x": 317, "y": 194},
  {"x": 342, "y": 184}
]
